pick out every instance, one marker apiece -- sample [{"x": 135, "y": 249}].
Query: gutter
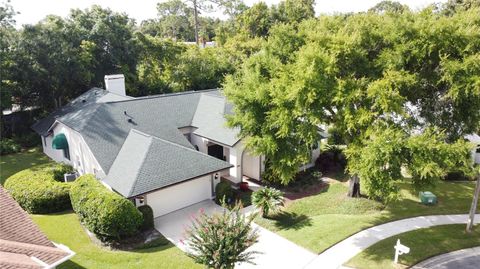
[{"x": 70, "y": 252}]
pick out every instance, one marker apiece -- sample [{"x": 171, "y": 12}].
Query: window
[
  {"x": 196, "y": 147},
  {"x": 478, "y": 149},
  {"x": 66, "y": 154}
]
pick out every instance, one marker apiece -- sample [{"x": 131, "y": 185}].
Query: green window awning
[{"x": 60, "y": 142}]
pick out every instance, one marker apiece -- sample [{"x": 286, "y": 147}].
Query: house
[
  {"x": 22, "y": 244},
  {"x": 168, "y": 151},
  {"x": 475, "y": 139}
]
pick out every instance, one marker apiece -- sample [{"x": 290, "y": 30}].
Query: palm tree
[{"x": 268, "y": 200}]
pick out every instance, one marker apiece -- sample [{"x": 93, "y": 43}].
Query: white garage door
[{"x": 179, "y": 196}]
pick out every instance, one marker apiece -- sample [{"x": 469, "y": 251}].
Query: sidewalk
[{"x": 343, "y": 251}]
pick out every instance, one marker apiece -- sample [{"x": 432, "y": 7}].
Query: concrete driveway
[
  {"x": 173, "y": 225},
  {"x": 276, "y": 251}
]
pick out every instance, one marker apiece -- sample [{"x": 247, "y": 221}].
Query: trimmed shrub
[
  {"x": 223, "y": 190},
  {"x": 458, "y": 176},
  {"x": 147, "y": 214},
  {"x": 8, "y": 146},
  {"x": 60, "y": 170},
  {"x": 331, "y": 159},
  {"x": 105, "y": 213},
  {"x": 36, "y": 190}
]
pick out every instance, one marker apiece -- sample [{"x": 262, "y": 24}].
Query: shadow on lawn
[
  {"x": 153, "y": 249},
  {"x": 291, "y": 220},
  {"x": 70, "y": 265}
]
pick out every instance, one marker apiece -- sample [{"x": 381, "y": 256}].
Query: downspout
[
  {"x": 241, "y": 165},
  {"x": 260, "y": 168}
]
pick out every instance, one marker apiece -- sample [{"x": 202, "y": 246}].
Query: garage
[{"x": 180, "y": 195}]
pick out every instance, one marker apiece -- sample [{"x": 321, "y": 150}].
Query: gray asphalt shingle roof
[
  {"x": 146, "y": 163},
  {"x": 106, "y": 125},
  {"x": 210, "y": 121}
]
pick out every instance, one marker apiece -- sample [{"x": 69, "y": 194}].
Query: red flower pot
[{"x": 244, "y": 186}]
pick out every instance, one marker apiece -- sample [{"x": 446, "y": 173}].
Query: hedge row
[
  {"x": 105, "y": 213},
  {"x": 8, "y": 146},
  {"x": 147, "y": 213},
  {"x": 38, "y": 191}
]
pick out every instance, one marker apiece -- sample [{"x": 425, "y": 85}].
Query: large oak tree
[{"x": 401, "y": 88}]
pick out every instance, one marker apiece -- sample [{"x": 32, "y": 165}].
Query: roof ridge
[
  {"x": 30, "y": 245},
  {"x": 142, "y": 163},
  {"x": 163, "y": 95},
  {"x": 217, "y": 96}
]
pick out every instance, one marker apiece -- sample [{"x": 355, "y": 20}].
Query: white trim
[
  {"x": 37, "y": 260},
  {"x": 70, "y": 252}
]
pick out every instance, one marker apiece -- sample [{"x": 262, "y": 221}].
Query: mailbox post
[{"x": 399, "y": 250}]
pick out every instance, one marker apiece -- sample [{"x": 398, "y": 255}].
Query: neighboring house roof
[
  {"x": 21, "y": 239},
  {"x": 146, "y": 163},
  {"x": 474, "y": 138}
]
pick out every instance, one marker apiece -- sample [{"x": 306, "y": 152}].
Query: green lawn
[
  {"x": 423, "y": 243},
  {"x": 65, "y": 228},
  {"x": 12, "y": 163},
  {"x": 317, "y": 222}
]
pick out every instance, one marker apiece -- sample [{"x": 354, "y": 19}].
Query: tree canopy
[
  {"x": 396, "y": 82},
  {"x": 400, "y": 87}
]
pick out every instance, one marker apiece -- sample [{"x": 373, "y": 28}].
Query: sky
[{"x": 32, "y": 11}]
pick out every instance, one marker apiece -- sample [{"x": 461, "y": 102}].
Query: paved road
[
  {"x": 466, "y": 259},
  {"x": 342, "y": 252}
]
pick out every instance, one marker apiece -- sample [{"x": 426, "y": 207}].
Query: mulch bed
[
  {"x": 132, "y": 243},
  {"x": 312, "y": 189}
]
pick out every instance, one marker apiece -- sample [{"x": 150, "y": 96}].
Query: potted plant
[{"x": 244, "y": 186}]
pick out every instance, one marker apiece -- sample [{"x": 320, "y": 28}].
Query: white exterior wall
[
  {"x": 54, "y": 154},
  {"x": 81, "y": 158},
  {"x": 313, "y": 158},
  {"x": 251, "y": 166},
  {"x": 231, "y": 154},
  {"x": 475, "y": 139},
  {"x": 236, "y": 161},
  {"x": 200, "y": 142},
  {"x": 179, "y": 196}
]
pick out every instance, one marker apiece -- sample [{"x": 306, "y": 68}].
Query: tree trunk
[
  {"x": 473, "y": 209},
  {"x": 354, "y": 188},
  {"x": 195, "y": 12}
]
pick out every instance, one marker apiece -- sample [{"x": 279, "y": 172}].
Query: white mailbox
[{"x": 399, "y": 250}]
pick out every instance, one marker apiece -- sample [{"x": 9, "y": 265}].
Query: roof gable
[
  {"x": 156, "y": 164},
  {"x": 210, "y": 119}
]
